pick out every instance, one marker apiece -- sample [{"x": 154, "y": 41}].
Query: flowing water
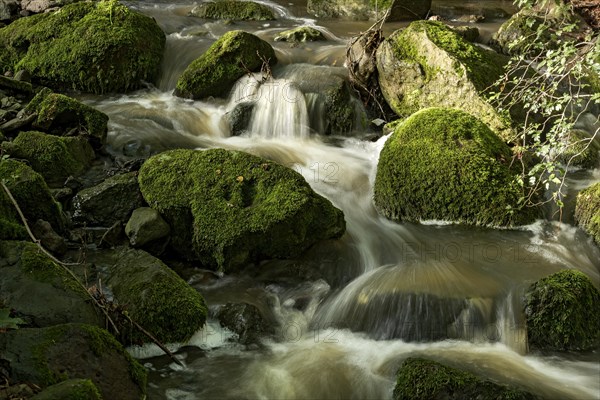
[{"x": 348, "y": 312}]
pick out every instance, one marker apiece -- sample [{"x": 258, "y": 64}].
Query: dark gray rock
[{"x": 146, "y": 225}]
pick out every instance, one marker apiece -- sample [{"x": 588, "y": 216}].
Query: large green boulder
[
  {"x": 423, "y": 379},
  {"x": 233, "y": 10},
  {"x": 429, "y": 65},
  {"x": 561, "y": 312},
  {"x": 55, "y": 158},
  {"x": 300, "y": 34},
  {"x": 366, "y": 9},
  {"x": 47, "y": 356},
  {"x": 58, "y": 299},
  {"x": 31, "y": 193},
  {"x": 61, "y": 115},
  {"x": 72, "y": 389},
  {"x": 228, "y": 59},
  {"x": 155, "y": 297},
  {"x": 587, "y": 211},
  {"x": 229, "y": 208},
  {"x": 445, "y": 164},
  {"x": 95, "y": 47}
]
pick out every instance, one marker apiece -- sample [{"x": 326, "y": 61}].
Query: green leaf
[{"x": 6, "y": 322}]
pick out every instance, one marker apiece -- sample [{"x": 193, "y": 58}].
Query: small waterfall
[{"x": 279, "y": 109}]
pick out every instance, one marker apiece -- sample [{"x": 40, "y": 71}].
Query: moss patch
[
  {"x": 562, "y": 312},
  {"x": 55, "y": 158},
  {"x": 31, "y": 193},
  {"x": 93, "y": 47},
  {"x": 72, "y": 389},
  {"x": 425, "y": 379},
  {"x": 234, "y": 10},
  {"x": 587, "y": 211},
  {"x": 227, "y": 60},
  {"x": 300, "y": 34},
  {"x": 11, "y": 227},
  {"x": 228, "y": 208},
  {"x": 445, "y": 164}
]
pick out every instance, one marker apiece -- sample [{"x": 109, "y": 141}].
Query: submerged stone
[
  {"x": 233, "y": 10},
  {"x": 561, "y": 311},
  {"x": 229, "y": 208},
  {"x": 232, "y": 56},
  {"x": 422, "y": 379},
  {"x": 429, "y": 65},
  {"x": 444, "y": 164},
  {"x": 95, "y": 47}
]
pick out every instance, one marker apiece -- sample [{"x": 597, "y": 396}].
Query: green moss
[
  {"x": 425, "y": 379},
  {"x": 228, "y": 208},
  {"x": 301, "y": 34},
  {"x": 233, "y": 10},
  {"x": 482, "y": 67},
  {"x": 582, "y": 151},
  {"x": 93, "y": 47},
  {"x": 11, "y": 227},
  {"x": 31, "y": 193},
  {"x": 562, "y": 312},
  {"x": 58, "y": 114},
  {"x": 587, "y": 211},
  {"x": 55, "y": 158},
  {"x": 227, "y": 60},
  {"x": 445, "y": 164},
  {"x": 72, "y": 389},
  {"x": 146, "y": 286}
]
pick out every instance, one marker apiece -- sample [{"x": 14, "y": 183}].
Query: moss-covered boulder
[
  {"x": 156, "y": 298},
  {"x": 110, "y": 201},
  {"x": 58, "y": 299},
  {"x": 55, "y": 158},
  {"x": 518, "y": 32},
  {"x": 581, "y": 150},
  {"x": 48, "y": 356},
  {"x": 561, "y": 312},
  {"x": 60, "y": 115},
  {"x": 229, "y": 208},
  {"x": 587, "y": 211},
  {"x": 95, "y": 47},
  {"x": 72, "y": 389},
  {"x": 422, "y": 379},
  {"x": 227, "y": 60},
  {"x": 233, "y": 10},
  {"x": 366, "y": 9},
  {"x": 31, "y": 193},
  {"x": 429, "y": 65},
  {"x": 300, "y": 34},
  {"x": 445, "y": 164}
]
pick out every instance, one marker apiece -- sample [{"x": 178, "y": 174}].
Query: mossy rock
[
  {"x": 422, "y": 379},
  {"x": 429, "y": 65},
  {"x": 72, "y": 389},
  {"x": 11, "y": 226},
  {"x": 233, "y": 10},
  {"x": 31, "y": 193},
  {"x": 561, "y": 311},
  {"x": 15, "y": 86},
  {"x": 229, "y": 208},
  {"x": 518, "y": 32},
  {"x": 300, "y": 34},
  {"x": 369, "y": 9},
  {"x": 227, "y": 60},
  {"x": 55, "y": 158},
  {"x": 110, "y": 201},
  {"x": 583, "y": 150},
  {"x": 58, "y": 297},
  {"x": 95, "y": 47},
  {"x": 445, "y": 164},
  {"x": 47, "y": 356},
  {"x": 156, "y": 298},
  {"x": 60, "y": 115},
  {"x": 587, "y": 211}
]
